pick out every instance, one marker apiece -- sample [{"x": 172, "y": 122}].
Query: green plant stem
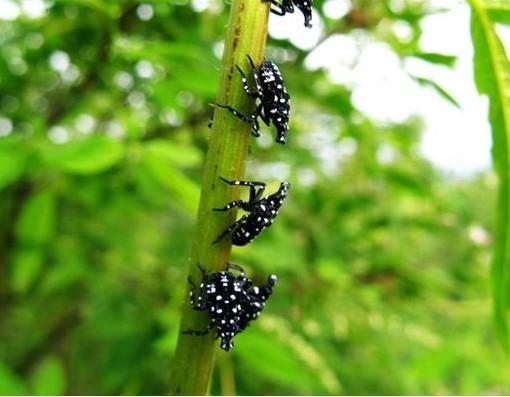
[{"x": 226, "y": 156}]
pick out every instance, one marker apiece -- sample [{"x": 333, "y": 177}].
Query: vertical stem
[
  {"x": 226, "y": 156},
  {"x": 226, "y": 374}
]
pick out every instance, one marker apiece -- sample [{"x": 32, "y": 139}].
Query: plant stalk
[{"x": 226, "y": 157}]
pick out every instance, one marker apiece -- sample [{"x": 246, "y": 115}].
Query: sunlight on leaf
[
  {"x": 492, "y": 76},
  {"x": 85, "y": 156}
]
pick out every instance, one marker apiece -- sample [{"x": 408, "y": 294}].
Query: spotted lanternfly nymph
[
  {"x": 231, "y": 301},
  {"x": 262, "y": 211},
  {"x": 274, "y": 104},
  {"x": 287, "y": 6}
]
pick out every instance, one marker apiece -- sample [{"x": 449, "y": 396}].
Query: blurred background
[{"x": 382, "y": 250}]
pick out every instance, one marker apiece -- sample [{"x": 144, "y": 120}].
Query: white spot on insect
[
  {"x": 219, "y": 311},
  {"x": 279, "y": 86},
  {"x": 247, "y": 234},
  {"x": 256, "y": 290},
  {"x": 234, "y": 310},
  {"x": 227, "y": 302},
  {"x": 262, "y": 207},
  {"x": 223, "y": 321},
  {"x": 233, "y": 297},
  {"x": 219, "y": 297}
]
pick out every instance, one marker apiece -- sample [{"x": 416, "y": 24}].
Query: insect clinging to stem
[
  {"x": 261, "y": 211},
  {"x": 231, "y": 301},
  {"x": 274, "y": 106}
]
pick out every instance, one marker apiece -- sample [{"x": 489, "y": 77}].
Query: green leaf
[
  {"x": 498, "y": 10},
  {"x": 36, "y": 223},
  {"x": 436, "y": 87},
  {"x": 49, "y": 378},
  {"x": 286, "y": 367},
  {"x": 441, "y": 59},
  {"x": 34, "y": 230},
  {"x": 63, "y": 275},
  {"x": 179, "y": 155},
  {"x": 492, "y": 77},
  {"x": 109, "y": 8},
  {"x": 12, "y": 162},
  {"x": 26, "y": 266},
  {"x": 157, "y": 165},
  {"x": 85, "y": 156},
  {"x": 10, "y": 383}
]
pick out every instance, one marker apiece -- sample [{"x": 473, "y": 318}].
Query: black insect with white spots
[
  {"x": 274, "y": 106},
  {"x": 261, "y": 211},
  {"x": 231, "y": 301},
  {"x": 287, "y": 6}
]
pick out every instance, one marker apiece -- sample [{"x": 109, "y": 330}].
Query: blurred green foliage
[{"x": 383, "y": 260}]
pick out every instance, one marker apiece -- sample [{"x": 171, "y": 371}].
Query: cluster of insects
[{"x": 231, "y": 300}]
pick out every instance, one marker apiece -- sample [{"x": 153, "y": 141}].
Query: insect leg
[
  {"x": 288, "y": 6},
  {"x": 246, "y": 87},
  {"x": 267, "y": 289},
  {"x": 237, "y": 203},
  {"x": 255, "y": 127},
  {"x": 202, "y": 270},
  {"x": 197, "y": 304},
  {"x": 197, "y": 332},
  {"x": 236, "y": 113},
  {"x": 243, "y": 183},
  {"x": 229, "y": 229},
  {"x": 200, "y": 304},
  {"x": 255, "y": 73},
  {"x": 265, "y": 116},
  {"x": 279, "y": 10},
  {"x": 235, "y": 267},
  {"x": 255, "y": 193}
]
